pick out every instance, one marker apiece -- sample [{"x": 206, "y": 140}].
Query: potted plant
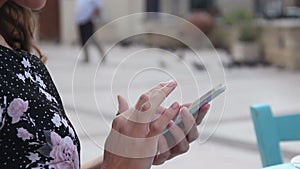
[
  {"x": 244, "y": 36},
  {"x": 247, "y": 49}
]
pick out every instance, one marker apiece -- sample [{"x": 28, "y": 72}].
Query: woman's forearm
[{"x": 93, "y": 164}]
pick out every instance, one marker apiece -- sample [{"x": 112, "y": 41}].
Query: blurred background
[
  {"x": 269, "y": 27},
  {"x": 256, "y": 40}
]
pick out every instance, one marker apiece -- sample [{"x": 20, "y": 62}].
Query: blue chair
[{"x": 270, "y": 130}]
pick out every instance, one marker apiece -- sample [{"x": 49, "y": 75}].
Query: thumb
[{"x": 123, "y": 105}]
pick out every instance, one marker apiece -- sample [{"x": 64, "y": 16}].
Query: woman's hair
[{"x": 17, "y": 27}]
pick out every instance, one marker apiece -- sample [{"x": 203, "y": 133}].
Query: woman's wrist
[
  {"x": 112, "y": 161},
  {"x": 93, "y": 164}
]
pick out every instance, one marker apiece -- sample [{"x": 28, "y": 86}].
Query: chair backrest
[{"x": 270, "y": 130}]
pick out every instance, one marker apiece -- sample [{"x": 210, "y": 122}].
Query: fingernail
[
  {"x": 171, "y": 83},
  {"x": 204, "y": 109},
  {"x": 175, "y": 106},
  {"x": 146, "y": 106},
  {"x": 118, "y": 97},
  {"x": 185, "y": 111},
  {"x": 170, "y": 124}
]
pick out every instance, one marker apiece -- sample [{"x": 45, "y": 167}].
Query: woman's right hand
[{"x": 133, "y": 140}]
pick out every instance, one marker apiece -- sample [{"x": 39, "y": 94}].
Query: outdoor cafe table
[{"x": 282, "y": 166}]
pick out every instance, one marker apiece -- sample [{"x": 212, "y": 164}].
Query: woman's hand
[
  {"x": 134, "y": 138},
  {"x": 182, "y": 138},
  {"x": 138, "y": 130}
]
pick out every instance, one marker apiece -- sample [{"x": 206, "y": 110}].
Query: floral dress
[{"x": 34, "y": 129}]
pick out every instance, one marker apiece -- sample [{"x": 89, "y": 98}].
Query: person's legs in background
[
  {"x": 94, "y": 41},
  {"x": 86, "y": 37},
  {"x": 86, "y": 31},
  {"x": 98, "y": 46}
]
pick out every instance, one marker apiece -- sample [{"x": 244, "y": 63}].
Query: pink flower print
[
  {"x": 24, "y": 134},
  {"x": 64, "y": 153},
  {"x": 16, "y": 109}
]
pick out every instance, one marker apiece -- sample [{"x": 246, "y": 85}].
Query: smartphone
[{"x": 197, "y": 104}]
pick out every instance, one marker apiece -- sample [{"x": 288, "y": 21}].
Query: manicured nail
[
  {"x": 170, "y": 124},
  {"x": 175, "y": 106},
  {"x": 118, "y": 97},
  {"x": 171, "y": 83},
  {"x": 146, "y": 106},
  {"x": 204, "y": 109},
  {"x": 185, "y": 111}
]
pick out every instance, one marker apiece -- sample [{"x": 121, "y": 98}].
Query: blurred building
[{"x": 57, "y": 19}]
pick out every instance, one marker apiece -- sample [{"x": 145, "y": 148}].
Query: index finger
[
  {"x": 158, "y": 95},
  {"x": 158, "y": 86}
]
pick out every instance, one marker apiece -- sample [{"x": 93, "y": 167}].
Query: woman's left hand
[{"x": 182, "y": 137}]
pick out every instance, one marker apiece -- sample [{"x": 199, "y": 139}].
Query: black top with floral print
[{"x": 34, "y": 129}]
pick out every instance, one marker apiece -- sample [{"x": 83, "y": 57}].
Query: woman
[{"x": 34, "y": 129}]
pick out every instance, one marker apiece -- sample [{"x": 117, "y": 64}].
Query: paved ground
[{"x": 89, "y": 94}]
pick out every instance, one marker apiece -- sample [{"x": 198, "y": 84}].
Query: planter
[
  {"x": 280, "y": 39},
  {"x": 246, "y": 52}
]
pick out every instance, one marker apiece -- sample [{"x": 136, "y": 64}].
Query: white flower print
[
  {"x": 28, "y": 75},
  {"x": 5, "y": 100},
  {"x": 1, "y": 112},
  {"x": 2, "y": 119},
  {"x": 2, "y": 116},
  {"x": 53, "y": 98},
  {"x": 24, "y": 134},
  {"x": 40, "y": 81},
  {"x": 56, "y": 120},
  {"x": 65, "y": 122},
  {"x": 21, "y": 77},
  {"x": 48, "y": 96},
  {"x": 16, "y": 109},
  {"x": 71, "y": 131},
  {"x": 29, "y": 114},
  {"x": 26, "y": 63},
  {"x": 33, "y": 157}
]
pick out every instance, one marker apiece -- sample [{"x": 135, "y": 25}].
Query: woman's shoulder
[
  {"x": 25, "y": 71},
  {"x": 15, "y": 60},
  {"x": 10, "y": 54}
]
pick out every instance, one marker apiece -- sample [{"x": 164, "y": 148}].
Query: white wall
[
  {"x": 114, "y": 9},
  {"x": 175, "y": 7},
  {"x": 68, "y": 29},
  {"x": 226, "y": 6}
]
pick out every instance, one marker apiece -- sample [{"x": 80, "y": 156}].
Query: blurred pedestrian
[{"x": 87, "y": 13}]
